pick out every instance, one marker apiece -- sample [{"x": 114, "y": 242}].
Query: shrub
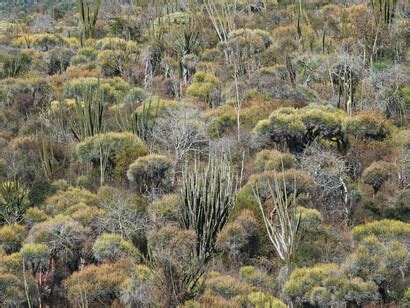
[
  {"x": 63, "y": 236},
  {"x": 62, "y": 200},
  {"x": 111, "y": 247},
  {"x": 367, "y": 126},
  {"x": 384, "y": 230},
  {"x": 327, "y": 283},
  {"x": 35, "y": 253},
  {"x": 205, "y": 87},
  {"x": 11, "y": 237},
  {"x": 274, "y": 160},
  {"x": 97, "y": 284},
  {"x": 256, "y": 278},
  {"x": 226, "y": 286},
  {"x": 167, "y": 209},
  {"x": 34, "y": 215},
  {"x": 295, "y": 129},
  {"x": 151, "y": 173},
  {"x": 115, "y": 149},
  {"x": 377, "y": 174},
  {"x": 39, "y": 191}
]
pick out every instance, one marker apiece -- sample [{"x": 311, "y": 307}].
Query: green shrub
[
  {"x": 274, "y": 160},
  {"x": 111, "y": 247},
  {"x": 367, "y": 126},
  {"x": 152, "y": 173}
]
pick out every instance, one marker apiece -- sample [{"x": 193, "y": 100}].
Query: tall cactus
[
  {"x": 13, "y": 201},
  {"x": 89, "y": 111},
  {"x": 386, "y": 8},
  {"x": 88, "y": 11},
  {"x": 139, "y": 122},
  {"x": 208, "y": 197}
]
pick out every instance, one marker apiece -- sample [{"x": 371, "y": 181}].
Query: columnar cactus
[
  {"x": 88, "y": 11},
  {"x": 208, "y": 197}
]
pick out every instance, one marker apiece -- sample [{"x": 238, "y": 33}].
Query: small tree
[{"x": 282, "y": 224}]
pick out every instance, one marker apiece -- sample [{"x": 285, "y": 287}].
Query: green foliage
[
  {"x": 34, "y": 215},
  {"x": 63, "y": 236},
  {"x": 151, "y": 173},
  {"x": 88, "y": 11},
  {"x": 112, "y": 90},
  {"x": 326, "y": 283},
  {"x": 208, "y": 198},
  {"x": 139, "y": 121},
  {"x": 378, "y": 173},
  {"x": 226, "y": 286},
  {"x": 167, "y": 209},
  {"x": 13, "y": 201},
  {"x": 97, "y": 284},
  {"x": 35, "y": 253},
  {"x": 64, "y": 199},
  {"x": 115, "y": 149},
  {"x": 367, "y": 126},
  {"x": 205, "y": 87},
  {"x": 15, "y": 64},
  {"x": 384, "y": 230},
  {"x": 111, "y": 247},
  {"x": 296, "y": 128},
  {"x": 239, "y": 239},
  {"x": 260, "y": 299},
  {"x": 387, "y": 264},
  {"x": 11, "y": 237},
  {"x": 258, "y": 279},
  {"x": 89, "y": 108},
  {"x": 39, "y": 191},
  {"x": 274, "y": 160}
]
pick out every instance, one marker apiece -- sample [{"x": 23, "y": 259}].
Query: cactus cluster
[
  {"x": 13, "y": 201},
  {"x": 208, "y": 198},
  {"x": 88, "y": 11},
  {"x": 89, "y": 110}
]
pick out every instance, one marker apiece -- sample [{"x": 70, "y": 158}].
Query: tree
[
  {"x": 99, "y": 285},
  {"x": 330, "y": 173},
  {"x": 222, "y": 15},
  {"x": 126, "y": 214},
  {"x": 273, "y": 160},
  {"x": 295, "y": 129},
  {"x": 367, "y": 126},
  {"x": 13, "y": 201},
  {"x": 344, "y": 75},
  {"x": 180, "y": 131},
  {"x": 11, "y": 237},
  {"x": 177, "y": 270}
]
